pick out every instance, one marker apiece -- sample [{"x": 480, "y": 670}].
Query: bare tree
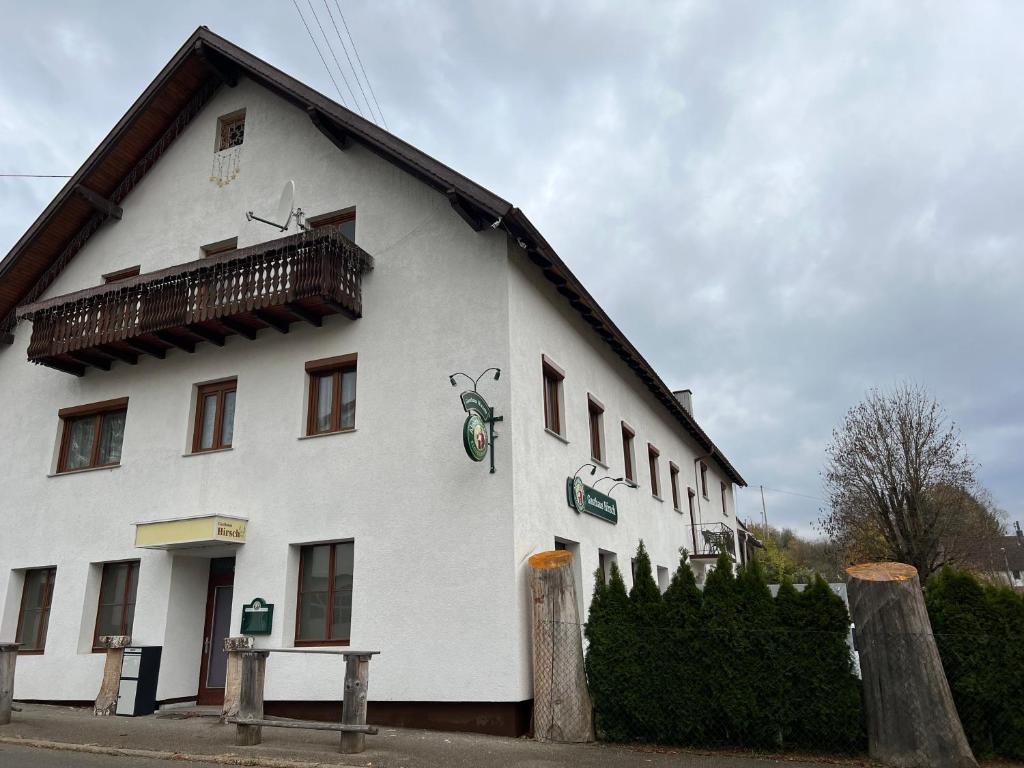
[{"x": 900, "y": 485}]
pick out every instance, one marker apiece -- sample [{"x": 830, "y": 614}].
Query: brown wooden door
[{"x": 213, "y": 666}]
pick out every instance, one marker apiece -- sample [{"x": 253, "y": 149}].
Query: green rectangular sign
[
  {"x": 590, "y": 501},
  {"x": 257, "y": 617}
]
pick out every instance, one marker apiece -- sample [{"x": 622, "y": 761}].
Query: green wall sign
[
  {"x": 257, "y": 617},
  {"x": 474, "y": 402},
  {"x": 587, "y": 500},
  {"x": 474, "y": 437},
  {"x": 478, "y": 428}
]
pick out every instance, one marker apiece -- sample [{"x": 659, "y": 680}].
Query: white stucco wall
[
  {"x": 440, "y": 544},
  {"x": 434, "y": 575},
  {"x": 541, "y": 322}
]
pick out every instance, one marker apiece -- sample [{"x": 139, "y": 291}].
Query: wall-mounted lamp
[
  {"x": 616, "y": 481},
  {"x": 593, "y": 469},
  {"x": 497, "y": 375}
]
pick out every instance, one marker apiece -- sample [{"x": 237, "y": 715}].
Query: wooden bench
[
  {"x": 8, "y": 660},
  {"x": 353, "y": 728}
]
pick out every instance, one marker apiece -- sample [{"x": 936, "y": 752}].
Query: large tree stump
[
  {"x": 911, "y": 719},
  {"x": 561, "y": 703}
]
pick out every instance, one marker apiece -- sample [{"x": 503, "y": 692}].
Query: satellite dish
[{"x": 286, "y": 210}]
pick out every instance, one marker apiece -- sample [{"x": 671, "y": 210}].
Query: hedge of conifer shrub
[
  {"x": 729, "y": 666},
  {"x": 979, "y": 630}
]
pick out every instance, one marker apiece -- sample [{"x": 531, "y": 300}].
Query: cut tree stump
[
  {"x": 561, "y": 703},
  {"x": 911, "y": 719}
]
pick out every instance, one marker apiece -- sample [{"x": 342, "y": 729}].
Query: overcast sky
[{"x": 781, "y": 204}]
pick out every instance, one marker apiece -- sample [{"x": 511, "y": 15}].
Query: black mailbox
[{"x": 140, "y": 669}]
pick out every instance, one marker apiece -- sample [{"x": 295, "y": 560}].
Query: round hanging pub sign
[
  {"x": 474, "y": 437},
  {"x": 579, "y": 495}
]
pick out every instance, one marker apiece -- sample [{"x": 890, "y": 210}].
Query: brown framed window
[
  {"x": 673, "y": 478},
  {"x": 214, "y": 428},
  {"x": 332, "y": 395},
  {"x": 692, "y": 500},
  {"x": 116, "y": 610},
  {"x": 652, "y": 462},
  {"x": 324, "y": 609},
  {"x": 92, "y": 435},
  {"x": 704, "y": 480},
  {"x": 553, "y": 378},
  {"x": 725, "y": 501},
  {"x": 221, "y": 246},
  {"x": 596, "y": 417},
  {"x": 627, "y": 452},
  {"x": 121, "y": 274},
  {"x": 343, "y": 222},
  {"x": 34, "y": 615},
  {"x": 231, "y": 130}
]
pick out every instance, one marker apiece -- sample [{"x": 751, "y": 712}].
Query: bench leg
[
  {"x": 250, "y": 698},
  {"x": 353, "y": 712}
]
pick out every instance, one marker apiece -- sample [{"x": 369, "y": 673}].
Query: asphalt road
[{"x": 29, "y": 757}]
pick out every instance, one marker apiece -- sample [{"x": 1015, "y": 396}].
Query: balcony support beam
[
  {"x": 203, "y": 332},
  {"x": 146, "y": 349},
  {"x": 304, "y": 314},
  {"x": 340, "y": 309},
  {"x": 240, "y": 328},
  {"x": 96, "y": 362},
  {"x": 119, "y": 354},
  {"x": 274, "y": 322},
  {"x": 176, "y": 341},
  {"x": 64, "y": 367}
]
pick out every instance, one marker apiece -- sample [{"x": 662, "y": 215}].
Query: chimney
[{"x": 685, "y": 398}]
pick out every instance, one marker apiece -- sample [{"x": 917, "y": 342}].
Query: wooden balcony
[{"x": 303, "y": 277}]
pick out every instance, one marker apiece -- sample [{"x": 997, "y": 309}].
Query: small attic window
[{"x": 230, "y": 130}]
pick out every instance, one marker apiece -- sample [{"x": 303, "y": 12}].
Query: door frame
[{"x": 217, "y": 581}]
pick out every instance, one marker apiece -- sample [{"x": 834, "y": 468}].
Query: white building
[{"x": 189, "y": 438}]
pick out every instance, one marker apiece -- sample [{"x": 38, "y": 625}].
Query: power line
[
  {"x": 330, "y": 48},
  {"x": 33, "y": 176},
  {"x": 793, "y": 493},
  {"x": 360, "y": 60},
  {"x": 350, "y": 64},
  {"x": 313, "y": 40}
]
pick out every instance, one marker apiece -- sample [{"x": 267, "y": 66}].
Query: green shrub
[
  {"x": 824, "y": 702},
  {"x": 979, "y": 631},
  {"x": 611, "y": 657},
  {"x": 728, "y": 666}
]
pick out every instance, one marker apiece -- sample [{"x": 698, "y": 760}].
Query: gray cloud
[{"x": 781, "y": 204}]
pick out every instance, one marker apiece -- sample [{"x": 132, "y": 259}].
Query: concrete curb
[{"x": 222, "y": 759}]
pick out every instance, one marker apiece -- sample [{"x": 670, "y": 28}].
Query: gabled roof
[{"x": 203, "y": 64}]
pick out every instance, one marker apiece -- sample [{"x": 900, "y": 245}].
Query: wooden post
[
  {"x": 911, "y": 719},
  {"x": 353, "y": 708},
  {"x": 233, "y": 646},
  {"x": 106, "y": 699},
  {"x": 250, "y": 698},
  {"x": 562, "y": 710},
  {"x": 8, "y": 659}
]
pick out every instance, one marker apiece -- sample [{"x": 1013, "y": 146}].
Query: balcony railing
[
  {"x": 709, "y": 539},
  {"x": 303, "y": 277}
]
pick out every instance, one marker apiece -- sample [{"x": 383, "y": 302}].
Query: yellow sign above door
[{"x": 201, "y": 531}]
